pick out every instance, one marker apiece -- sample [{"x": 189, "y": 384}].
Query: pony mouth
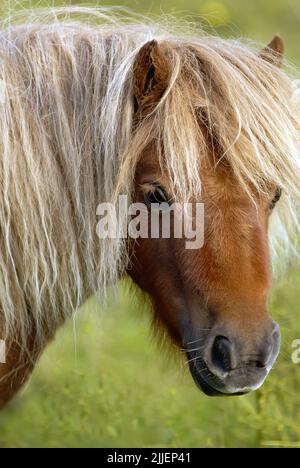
[{"x": 204, "y": 383}]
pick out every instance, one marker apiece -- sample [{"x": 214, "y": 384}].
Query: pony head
[{"x": 213, "y": 116}]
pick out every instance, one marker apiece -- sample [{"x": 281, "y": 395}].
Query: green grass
[{"x": 119, "y": 389}]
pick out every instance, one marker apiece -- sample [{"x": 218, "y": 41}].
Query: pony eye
[
  {"x": 156, "y": 196},
  {"x": 276, "y": 198}
]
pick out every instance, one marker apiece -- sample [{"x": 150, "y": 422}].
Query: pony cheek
[{"x": 152, "y": 270}]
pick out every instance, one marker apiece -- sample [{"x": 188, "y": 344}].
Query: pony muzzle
[{"x": 232, "y": 366}]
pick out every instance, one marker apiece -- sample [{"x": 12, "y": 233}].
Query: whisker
[
  {"x": 195, "y": 341},
  {"x": 192, "y": 350}
]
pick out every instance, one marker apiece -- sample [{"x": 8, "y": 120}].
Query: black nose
[
  {"x": 221, "y": 356},
  {"x": 227, "y": 354}
]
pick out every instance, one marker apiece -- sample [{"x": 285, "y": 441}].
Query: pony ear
[
  {"x": 150, "y": 75},
  {"x": 274, "y": 51}
]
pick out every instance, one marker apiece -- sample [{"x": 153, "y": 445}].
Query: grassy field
[
  {"x": 113, "y": 386},
  {"x": 119, "y": 389}
]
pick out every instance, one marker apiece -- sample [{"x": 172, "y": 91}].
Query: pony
[{"x": 95, "y": 104}]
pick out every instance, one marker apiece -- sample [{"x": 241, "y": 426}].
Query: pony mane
[{"x": 66, "y": 115}]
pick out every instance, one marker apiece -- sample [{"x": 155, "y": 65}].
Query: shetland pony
[{"x": 93, "y": 105}]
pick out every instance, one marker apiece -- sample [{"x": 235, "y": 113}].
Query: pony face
[{"x": 211, "y": 300}]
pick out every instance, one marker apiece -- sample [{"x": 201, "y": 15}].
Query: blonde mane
[{"x": 66, "y": 144}]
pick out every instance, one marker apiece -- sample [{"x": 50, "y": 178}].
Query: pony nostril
[
  {"x": 221, "y": 356},
  {"x": 268, "y": 351}
]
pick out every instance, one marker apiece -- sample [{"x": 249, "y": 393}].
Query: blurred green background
[{"x": 113, "y": 386}]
